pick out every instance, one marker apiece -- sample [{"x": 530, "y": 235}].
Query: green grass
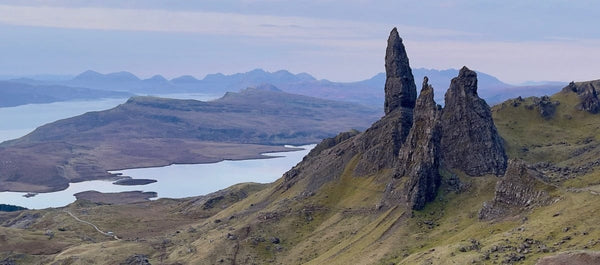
[{"x": 530, "y": 137}]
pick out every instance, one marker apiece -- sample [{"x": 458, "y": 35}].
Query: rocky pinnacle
[
  {"x": 470, "y": 141},
  {"x": 400, "y": 88},
  {"x": 419, "y": 156}
]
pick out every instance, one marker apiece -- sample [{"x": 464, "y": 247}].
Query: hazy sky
[{"x": 345, "y": 40}]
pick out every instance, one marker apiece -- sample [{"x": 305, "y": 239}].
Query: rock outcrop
[
  {"x": 137, "y": 259},
  {"x": 400, "y": 88},
  {"x": 419, "y": 156},
  {"x": 545, "y": 106},
  {"x": 382, "y": 141},
  {"x": 470, "y": 141},
  {"x": 405, "y": 148},
  {"x": 519, "y": 189},
  {"x": 588, "y": 94}
]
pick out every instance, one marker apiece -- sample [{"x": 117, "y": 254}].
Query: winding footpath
[{"x": 93, "y": 225}]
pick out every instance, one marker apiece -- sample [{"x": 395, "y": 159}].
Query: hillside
[
  {"x": 425, "y": 184},
  {"x": 15, "y": 94},
  {"x": 147, "y": 131}
]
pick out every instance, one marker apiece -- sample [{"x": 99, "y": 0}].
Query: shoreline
[
  {"x": 257, "y": 171},
  {"x": 115, "y": 175}
]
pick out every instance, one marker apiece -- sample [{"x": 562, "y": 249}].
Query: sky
[{"x": 516, "y": 41}]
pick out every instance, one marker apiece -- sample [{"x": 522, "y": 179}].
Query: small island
[
  {"x": 117, "y": 198},
  {"x": 133, "y": 182}
]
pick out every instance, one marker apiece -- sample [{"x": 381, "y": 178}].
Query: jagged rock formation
[
  {"x": 382, "y": 141},
  {"x": 400, "y": 88},
  {"x": 376, "y": 149},
  {"x": 588, "y": 94},
  {"x": 405, "y": 147},
  {"x": 519, "y": 189},
  {"x": 419, "y": 156},
  {"x": 544, "y": 106},
  {"x": 470, "y": 141}
]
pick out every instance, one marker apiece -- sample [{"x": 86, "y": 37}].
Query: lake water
[{"x": 174, "y": 181}]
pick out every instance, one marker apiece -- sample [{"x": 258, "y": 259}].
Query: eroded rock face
[
  {"x": 382, "y": 141},
  {"x": 588, "y": 94},
  {"x": 419, "y": 156},
  {"x": 400, "y": 88},
  {"x": 405, "y": 148},
  {"x": 519, "y": 189},
  {"x": 470, "y": 141}
]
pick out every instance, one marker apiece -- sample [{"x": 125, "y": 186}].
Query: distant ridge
[
  {"x": 365, "y": 92},
  {"x": 15, "y": 94}
]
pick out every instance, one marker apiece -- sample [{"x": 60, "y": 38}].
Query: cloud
[
  {"x": 217, "y": 23},
  {"x": 338, "y": 49}
]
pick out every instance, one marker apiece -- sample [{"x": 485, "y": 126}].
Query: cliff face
[{"x": 470, "y": 141}]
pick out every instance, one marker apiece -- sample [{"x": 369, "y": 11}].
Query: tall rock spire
[
  {"x": 383, "y": 140},
  {"x": 470, "y": 141},
  {"x": 419, "y": 157},
  {"x": 400, "y": 88}
]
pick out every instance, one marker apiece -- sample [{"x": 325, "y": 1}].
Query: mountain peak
[
  {"x": 184, "y": 79},
  {"x": 157, "y": 78},
  {"x": 122, "y": 76},
  {"x": 89, "y": 74},
  {"x": 267, "y": 87}
]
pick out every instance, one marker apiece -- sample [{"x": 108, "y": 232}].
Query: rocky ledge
[
  {"x": 520, "y": 188},
  {"x": 588, "y": 94}
]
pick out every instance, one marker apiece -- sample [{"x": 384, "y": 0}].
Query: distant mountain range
[{"x": 366, "y": 92}]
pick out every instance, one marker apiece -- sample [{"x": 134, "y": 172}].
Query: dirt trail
[{"x": 93, "y": 225}]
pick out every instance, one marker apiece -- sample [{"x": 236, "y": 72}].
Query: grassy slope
[{"x": 340, "y": 223}]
